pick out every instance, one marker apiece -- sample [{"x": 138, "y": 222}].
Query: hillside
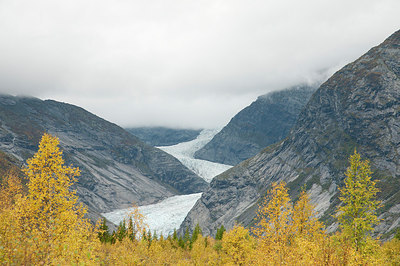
[
  {"x": 266, "y": 121},
  {"x": 162, "y": 136},
  {"x": 358, "y": 107},
  {"x": 117, "y": 168}
]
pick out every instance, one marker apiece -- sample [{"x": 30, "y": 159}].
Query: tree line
[{"x": 43, "y": 223}]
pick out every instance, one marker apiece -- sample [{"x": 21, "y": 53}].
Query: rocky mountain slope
[
  {"x": 266, "y": 121},
  {"x": 116, "y": 167},
  {"x": 358, "y": 107},
  {"x": 162, "y": 136}
]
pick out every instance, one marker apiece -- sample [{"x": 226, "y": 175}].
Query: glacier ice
[
  {"x": 165, "y": 216},
  {"x": 162, "y": 217},
  {"x": 184, "y": 152}
]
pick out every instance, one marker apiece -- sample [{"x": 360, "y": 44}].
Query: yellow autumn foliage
[
  {"x": 136, "y": 222},
  {"x": 357, "y": 214},
  {"x": 45, "y": 225},
  {"x": 237, "y": 246},
  {"x": 274, "y": 229},
  {"x": 48, "y": 224}
]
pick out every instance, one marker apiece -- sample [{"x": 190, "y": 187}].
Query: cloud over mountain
[{"x": 179, "y": 63}]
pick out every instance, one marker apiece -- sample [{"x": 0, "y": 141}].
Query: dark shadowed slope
[
  {"x": 162, "y": 136},
  {"x": 266, "y": 121}
]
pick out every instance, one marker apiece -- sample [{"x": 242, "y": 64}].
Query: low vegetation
[{"x": 44, "y": 224}]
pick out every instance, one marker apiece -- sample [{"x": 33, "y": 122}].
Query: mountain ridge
[
  {"x": 262, "y": 123},
  {"x": 358, "y": 107},
  {"x": 163, "y": 136},
  {"x": 117, "y": 169}
]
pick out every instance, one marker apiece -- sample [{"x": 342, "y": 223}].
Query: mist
[{"x": 185, "y": 64}]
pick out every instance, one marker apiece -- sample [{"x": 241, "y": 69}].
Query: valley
[
  {"x": 165, "y": 216},
  {"x": 116, "y": 167},
  {"x": 200, "y": 133}
]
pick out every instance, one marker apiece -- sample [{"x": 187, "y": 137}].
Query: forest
[{"x": 42, "y": 222}]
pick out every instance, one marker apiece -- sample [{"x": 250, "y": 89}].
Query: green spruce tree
[
  {"x": 220, "y": 233},
  {"x": 175, "y": 235},
  {"x": 103, "y": 233},
  {"x": 195, "y": 235},
  {"x": 186, "y": 238},
  {"x": 121, "y": 231}
]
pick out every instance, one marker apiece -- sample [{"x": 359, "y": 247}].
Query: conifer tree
[
  {"x": 181, "y": 242},
  {"x": 144, "y": 234},
  {"x": 357, "y": 214},
  {"x": 136, "y": 222},
  {"x": 186, "y": 237},
  {"x": 131, "y": 230},
  {"x": 195, "y": 234},
  {"x": 220, "y": 233},
  {"x": 149, "y": 237},
  {"x": 397, "y": 235},
  {"x": 103, "y": 233},
  {"x": 175, "y": 235},
  {"x": 121, "y": 230}
]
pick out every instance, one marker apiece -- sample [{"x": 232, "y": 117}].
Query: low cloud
[{"x": 179, "y": 63}]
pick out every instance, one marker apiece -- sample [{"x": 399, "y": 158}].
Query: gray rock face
[
  {"x": 162, "y": 136},
  {"x": 116, "y": 167},
  {"x": 266, "y": 121},
  {"x": 358, "y": 107}
]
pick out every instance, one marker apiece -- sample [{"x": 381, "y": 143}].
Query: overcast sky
[{"x": 180, "y": 63}]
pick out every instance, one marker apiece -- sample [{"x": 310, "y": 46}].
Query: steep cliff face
[
  {"x": 358, "y": 107},
  {"x": 266, "y": 121},
  {"x": 117, "y": 168}
]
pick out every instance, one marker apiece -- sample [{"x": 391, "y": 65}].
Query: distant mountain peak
[
  {"x": 266, "y": 121},
  {"x": 163, "y": 136}
]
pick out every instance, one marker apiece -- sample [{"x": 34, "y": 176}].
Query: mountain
[
  {"x": 117, "y": 168},
  {"x": 162, "y": 136},
  {"x": 264, "y": 122},
  {"x": 10, "y": 165},
  {"x": 358, "y": 107}
]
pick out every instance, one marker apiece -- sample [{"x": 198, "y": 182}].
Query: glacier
[
  {"x": 184, "y": 152},
  {"x": 163, "y": 217}
]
